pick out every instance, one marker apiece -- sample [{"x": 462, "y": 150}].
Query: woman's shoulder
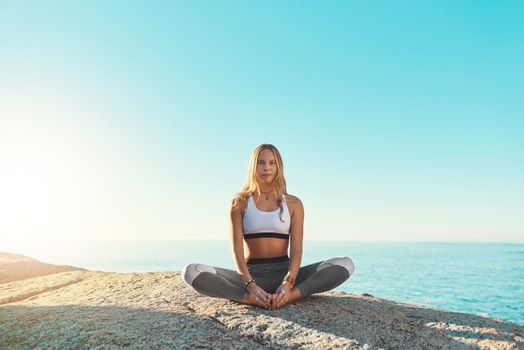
[
  {"x": 239, "y": 201},
  {"x": 292, "y": 198},
  {"x": 294, "y": 204}
]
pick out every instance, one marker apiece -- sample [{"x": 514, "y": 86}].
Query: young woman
[{"x": 265, "y": 219}]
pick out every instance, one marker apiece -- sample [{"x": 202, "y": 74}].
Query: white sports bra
[{"x": 257, "y": 223}]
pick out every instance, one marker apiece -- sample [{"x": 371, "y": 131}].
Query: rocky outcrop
[
  {"x": 85, "y": 309},
  {"x": 14, "y": 267}
]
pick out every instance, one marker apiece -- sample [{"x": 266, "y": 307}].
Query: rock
[
  {"x": 14, "y": 267},
  {"x": 85, "y": 309}
]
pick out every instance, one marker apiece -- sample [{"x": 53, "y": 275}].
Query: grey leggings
[{"x": 224, "y": 283}]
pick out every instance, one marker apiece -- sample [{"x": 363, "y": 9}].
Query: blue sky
[{"x": 135, "y": 119}]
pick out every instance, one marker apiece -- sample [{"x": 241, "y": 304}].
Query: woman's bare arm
[
  {"x": 297, "y": 234},
  {"x": 237, "y": 239}
]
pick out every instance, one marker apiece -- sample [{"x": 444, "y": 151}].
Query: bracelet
[
  {"x": 290, "y": 279},
  {"x": 248, "y": 282}
]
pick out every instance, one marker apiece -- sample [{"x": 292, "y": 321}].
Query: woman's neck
[{"x": 266, "y": 188}]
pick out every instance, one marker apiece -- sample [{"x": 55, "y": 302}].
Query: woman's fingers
[
  {"x": 282, "y": 294},
  {"x": 281, "y": 298},
  {"x": 274, "y": 301},
  {"x": 263, "y": 297},
  {"x": 271, "y": 301},
  {"x": 269, "y": 298},
  {"x": 260, "y": 300},
  {"x": 278, "y": 300}
]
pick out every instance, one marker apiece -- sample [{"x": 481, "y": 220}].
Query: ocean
[{"x": 479, "y": 278}]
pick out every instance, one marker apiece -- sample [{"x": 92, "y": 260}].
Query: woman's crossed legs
[{"x": 218, "y": 282}]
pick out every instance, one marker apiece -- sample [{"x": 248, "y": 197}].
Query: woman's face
[{"x": 266, "y": 166}]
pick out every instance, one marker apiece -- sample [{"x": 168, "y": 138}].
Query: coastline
[
  {"x": 14, "y": 267},
  {"x": 78, "y": 308}
]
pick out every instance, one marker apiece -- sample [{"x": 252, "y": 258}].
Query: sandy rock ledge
[{"x": 83, "y": 309}]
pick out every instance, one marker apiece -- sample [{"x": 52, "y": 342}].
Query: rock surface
[
  {"x": 14, "y": 267},
  {"x": 86, "y": 309}
]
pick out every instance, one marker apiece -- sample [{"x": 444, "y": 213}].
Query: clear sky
[{"x": 396, "y": 120}]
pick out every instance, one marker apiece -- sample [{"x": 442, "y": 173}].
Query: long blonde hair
[{"x": 251, "y": 185}]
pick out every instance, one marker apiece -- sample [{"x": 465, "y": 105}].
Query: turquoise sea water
[{"x": 483, "y": 278}]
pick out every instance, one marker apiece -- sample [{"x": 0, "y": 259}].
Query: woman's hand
[
  {"x": 282, "y": 295},
  {"x": 259, "y": 296}
]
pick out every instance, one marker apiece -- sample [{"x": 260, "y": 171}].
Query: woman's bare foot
[
  {"x": 252, "y": 299},
  {"x": 294, "y": 295}
]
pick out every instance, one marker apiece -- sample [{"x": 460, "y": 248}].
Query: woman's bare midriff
[{"x": 265, "y": 247}]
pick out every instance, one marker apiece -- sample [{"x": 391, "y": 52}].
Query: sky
[{"x": 396, "y": 121}]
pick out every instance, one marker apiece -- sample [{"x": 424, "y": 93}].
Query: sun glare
[{"x": 33, "y": 194}]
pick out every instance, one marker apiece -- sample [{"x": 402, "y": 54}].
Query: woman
[{"x": 265, "y": 219}]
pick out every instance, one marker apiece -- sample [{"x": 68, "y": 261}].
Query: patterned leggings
[{"x": 268, "y": 273}]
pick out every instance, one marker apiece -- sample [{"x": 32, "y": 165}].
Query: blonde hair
[{"x": 251, "y": 185}]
